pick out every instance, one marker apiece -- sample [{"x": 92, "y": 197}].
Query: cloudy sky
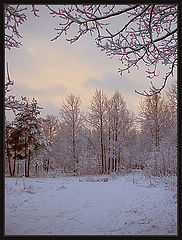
[{"x": 49, "y": 71}]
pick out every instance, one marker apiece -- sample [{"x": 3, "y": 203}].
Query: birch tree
[
  {"x": 71, "y": 118},
  {"x": 50, "y": 127},
  {"x": 119, "y": 124},
  {"x": 171, "y": 95},
  {"x": 154, "y": 116},
  {"x": 97, "y": 119},
  {"x": 168, "y": 146}
]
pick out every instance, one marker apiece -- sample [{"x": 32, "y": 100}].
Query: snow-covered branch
[
  {"x": 149, "y": 34},
  {"x": 14, "y": 16}
]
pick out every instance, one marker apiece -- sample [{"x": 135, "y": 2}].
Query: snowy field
[{"x": 124, "y": 205}]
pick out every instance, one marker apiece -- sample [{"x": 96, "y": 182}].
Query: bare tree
[
  {"x": 120, "y": 123},
  {"x": 158, "y": 136},
  {"x": 153, "y": 116},
  {"x": 149, "y": 34},
  {"x": 71, "y": 117},
  {"x": 50, "y": 127},
  {"x": 97, "y": 120},
  {"x": 171, "y": 94}
]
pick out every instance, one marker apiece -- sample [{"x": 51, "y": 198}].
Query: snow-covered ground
[{"x": 123, "y": 205}]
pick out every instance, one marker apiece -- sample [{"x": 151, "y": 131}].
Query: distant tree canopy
[
  {"x": 104, "y": 139},
  {"x": 148, "y": 32}
]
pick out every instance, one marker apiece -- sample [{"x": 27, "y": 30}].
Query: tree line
[{"x": 104, "y": 139}]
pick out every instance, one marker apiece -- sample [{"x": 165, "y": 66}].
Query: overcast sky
[{"x": 49, "y": 71}]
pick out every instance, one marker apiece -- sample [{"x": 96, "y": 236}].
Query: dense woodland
[{"x": 106, "y": 138}]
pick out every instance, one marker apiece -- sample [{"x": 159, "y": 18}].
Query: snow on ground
[{"x": 124, "y": 205}]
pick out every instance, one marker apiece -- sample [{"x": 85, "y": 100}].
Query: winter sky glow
[{"x": 49, "y": 71}]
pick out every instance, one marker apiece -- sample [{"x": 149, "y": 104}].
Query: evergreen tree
[{"x": 29, "y": 124}]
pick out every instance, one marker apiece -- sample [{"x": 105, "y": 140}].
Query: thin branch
[
  {"x": 132, "y": 20},
  {"x": 34, "y": 10},
  {"x": 153, "y": 89}
]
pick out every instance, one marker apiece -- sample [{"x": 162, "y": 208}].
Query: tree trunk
[
  {"x": 74, "y": 150},
  {"x": 109, "y": 151},
  {"x": 18, "y": 169},
  {"x": 25, "y": 166},
  {"x": 105, "y": 164},
  {"x": 113, "y": 152},
  {"x": 14, "y": 166},
  {"x": 116, "y": 147},
  {"x": 36, "y": 169},
  {"x": 28, "y": 169},
  {"x": 9, "y": 158},
  {"x": 115, "y": 161},
  {"x": 102, "y": 149},
  {"x": 9, "y": 164},
  {"x": 118, "y": 160},
  {"x": 109, "y": 162},
  {"x": 156, "y": 123},
  {"x": 48, "y": 165}
]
